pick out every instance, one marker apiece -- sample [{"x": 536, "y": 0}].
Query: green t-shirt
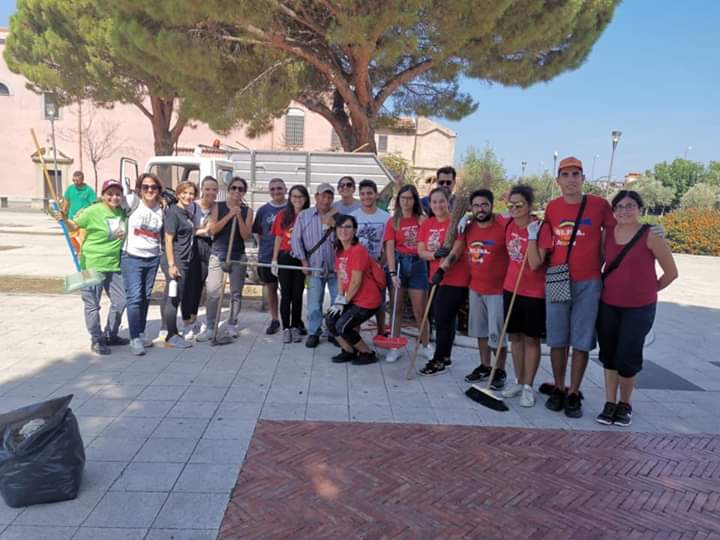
[
  {"x": 100, "y": 251},
  {"x": 78, "y": 198}
]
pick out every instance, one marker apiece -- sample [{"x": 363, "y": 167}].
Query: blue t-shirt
[{"x": 261, "y": 226}]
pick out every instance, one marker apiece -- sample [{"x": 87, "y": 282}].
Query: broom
[
  {"x": 483, "y": 395},
  {"x": 81, "y": 279},
  {"x": 224, "y": 339}
]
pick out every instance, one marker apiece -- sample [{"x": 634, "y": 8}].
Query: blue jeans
[
  {"x": 139, "y": 277},
  {"x": 315, "y": 297}
]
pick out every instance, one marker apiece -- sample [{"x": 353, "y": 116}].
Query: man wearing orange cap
[{"x": 573, "y": 236}]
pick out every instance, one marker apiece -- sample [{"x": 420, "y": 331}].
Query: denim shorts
[
  {"x": 572, "y": 324},
  {"x": 413, "y": 271}
]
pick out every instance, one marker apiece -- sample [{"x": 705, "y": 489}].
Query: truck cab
[{"x": 175, "y": 169}]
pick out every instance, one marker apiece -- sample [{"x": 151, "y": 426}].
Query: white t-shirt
[
  {"x": 371, "y": 229},
  {"x": 144, "y": 230},
  {"x": 347, "y": 210}
]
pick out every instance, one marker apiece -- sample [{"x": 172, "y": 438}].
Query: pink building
[{"x": 125, "y": 131}]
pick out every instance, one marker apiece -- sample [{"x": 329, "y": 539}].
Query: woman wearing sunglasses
[
  {"x": 408, "y": 271},
  {"x": 141, "y": 254},
  {"x": 224, "y": 216},
  {"x": 104, "y": 226}
]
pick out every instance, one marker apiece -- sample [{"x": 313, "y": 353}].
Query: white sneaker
[
  {"x": 188, "y": 332},
  {"x": 231, "y": 330},
  {"x": 428, "y": 351},
  {"x": 205, "y": 335},
  {"x": 512, "y": 391},
  {"x": 137, "y": 347},
  {"x": 177, "y": 342},
  {"x": 527, "y": 399},
  {"x": 393, "y": 355},
  {"x": 146, "y": 340},
  {"x": 162, "y": 335}
]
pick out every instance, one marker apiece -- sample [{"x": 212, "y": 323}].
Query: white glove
[
  {"x": 340, "y": 300},
  {"x": 274, "y": 268},
  {"x": 463, "y": 223},
  {"x": 533, "y": 229},
  {"x": 338, "y": 305}
]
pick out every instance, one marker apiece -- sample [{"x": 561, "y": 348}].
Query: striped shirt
[{"x": 307, "y": 232}]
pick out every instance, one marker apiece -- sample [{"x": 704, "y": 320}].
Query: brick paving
[{"x": 401, "y": 481}]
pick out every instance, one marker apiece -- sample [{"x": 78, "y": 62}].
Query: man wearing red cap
[{"x": 574, "y": 222}]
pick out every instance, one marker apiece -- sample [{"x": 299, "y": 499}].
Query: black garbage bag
[{"x": 42, "y": 456}]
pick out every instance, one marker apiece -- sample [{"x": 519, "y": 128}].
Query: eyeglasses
[
  {"x": 347, "y": 226},
  {"x": 408, "y": 198},
  {"x": 346, "y": 185},
  {"x": 626, "y": 207},
  {"x": 515, "y": 206},
  {"x": 444, "y": 183},
  {"x": 574, "y": 174},
  {"x": 150, "y": 187},
  {"x": 272, "y": 189},
  {"x": 237, "y": 188}
]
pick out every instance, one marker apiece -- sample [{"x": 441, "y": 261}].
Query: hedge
[{"x": 694, "y": 231}]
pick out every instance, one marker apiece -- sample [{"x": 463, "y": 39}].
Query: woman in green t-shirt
[{"x": 104, "y": 226}]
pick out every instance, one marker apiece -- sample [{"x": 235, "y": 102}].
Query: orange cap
[{"x": 571, "y": 161}]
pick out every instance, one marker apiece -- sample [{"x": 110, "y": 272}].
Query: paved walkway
[{"x": 166, "y": 433}]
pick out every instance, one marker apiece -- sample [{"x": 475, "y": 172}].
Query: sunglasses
[
  {"x": 347, "y": 184},
  {"x": 515, "y": 206},
  {"x": 241, "y": 189},
  {"x": 150, "y": 187},
  {"x": 574, "y": 174},
  {"x": 444, "y": 183}
]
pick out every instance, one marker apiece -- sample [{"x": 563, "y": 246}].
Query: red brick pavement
[{"x": 369, "y": 481}]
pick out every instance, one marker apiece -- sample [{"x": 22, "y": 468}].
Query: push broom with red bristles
[{"x": 391, "y": 342}]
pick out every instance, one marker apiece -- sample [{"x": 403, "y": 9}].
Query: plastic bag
[{"x": 42, "y": 455}]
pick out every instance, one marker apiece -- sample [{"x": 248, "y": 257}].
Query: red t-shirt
[
  {"x": 284, "y": 234},
  {"x": 405, "y": 235},
  {"x": 487, "y": 255},
  {"x": 357, "y": 258},
  {"x": 532, "y": 283},
  {"x": 432, "y": 233},
  {"x": 585, "y": 255}
]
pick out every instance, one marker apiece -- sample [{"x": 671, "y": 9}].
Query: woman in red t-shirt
[
  {"x": 408, "y": 271},
  {"x": 292, "y": 282},
  {"x": 358, "y": 294},
  {"x": 526, "y": 327},
  {"x": 450, "y": 274}
]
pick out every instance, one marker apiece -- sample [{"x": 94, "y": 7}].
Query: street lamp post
[
  {"x": 592, "y": 173},
  {"x": 555, "y": 157},
  {"x": 615, "y": 140},
  {"x": 687, "y": 149},
  {"x": 522, "y": 174},
  {"x": 52, "y": 113}
]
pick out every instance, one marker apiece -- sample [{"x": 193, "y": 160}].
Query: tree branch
[{"x": 400, "y": 79}]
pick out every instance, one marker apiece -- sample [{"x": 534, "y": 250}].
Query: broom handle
[
  {"x": 218, "y": 313},
  {"x": 394, "y": 310},
  {"x": 507, "y": 317},
  {"x": 411, "y": 367}
]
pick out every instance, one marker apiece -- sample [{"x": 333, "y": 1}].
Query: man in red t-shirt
[
  {"x": 487, "y": 256},
  {"x": 572, "y": 324}
]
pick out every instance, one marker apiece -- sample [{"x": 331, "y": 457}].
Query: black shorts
[
  {"x": 266, "y": 276},
  {"x": 621, "y": 334},
  {"x": 528, "y": 315}
]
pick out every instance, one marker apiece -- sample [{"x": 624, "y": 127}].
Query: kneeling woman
[{"x": 359, "y": 294}]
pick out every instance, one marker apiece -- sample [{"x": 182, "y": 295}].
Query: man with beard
[{"x": 484, "y": 237}]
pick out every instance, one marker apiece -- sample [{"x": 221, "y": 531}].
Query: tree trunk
[{"x": 164, "y": 135}]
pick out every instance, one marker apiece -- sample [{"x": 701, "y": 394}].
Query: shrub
[{"x": 695, "y": 231}]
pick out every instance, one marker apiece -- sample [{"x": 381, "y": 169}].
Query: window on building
[
  {"x": 295, "y": 127},
  {"x": 382, "y": 144},
  {"x": 4, "y": 90},
  {"x": 335, "y": 143}
]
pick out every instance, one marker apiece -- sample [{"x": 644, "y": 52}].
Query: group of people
[{"x": 585, "y": 271}]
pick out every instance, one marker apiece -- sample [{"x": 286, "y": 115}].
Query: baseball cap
[
  {"x": 324, "y": 188},
  {"x": 570, "y": 162},
  {"x": 107, "y": 184}
]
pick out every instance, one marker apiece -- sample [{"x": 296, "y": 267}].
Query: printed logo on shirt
[
  {"x": 563, "y": 232},
  {"x": 478, "y": 249},
  {"x": 370, "y": 236},
  {"x": 515, "y": 247},
  {"x": 342, "y": 270},
  {"x": 433, "y": 242},
  {"x": 410, "y": 235}
]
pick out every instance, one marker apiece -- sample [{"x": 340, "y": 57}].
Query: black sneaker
[
  {"x": 117, "y": 340},
  {"x": 364, "y": 359},
  {"x": 573, "y": 406},
  {"x": 343, "y": 357},
  {"x": 274, "y": 328},
  {"x": 498, "y": 380},
  {"x": 433, "y": 368},
  {"x": 331, "y": 339},
  {"x": 312, "y": 341},
  {"x": 607, "y": 415},
  {"x": 100, "y": 347},
  {"x": 623, "y": 414},
  {"x": 447, "y": 362},
  {"x": 556, "y": 401},
  {"x": 302, "y": 330},
  {"x": 480, "y": 373}
]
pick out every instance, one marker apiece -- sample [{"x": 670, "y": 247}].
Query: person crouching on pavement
[
  {"x": 359, "y": 294},
  {"x": 104, "y": 226}
]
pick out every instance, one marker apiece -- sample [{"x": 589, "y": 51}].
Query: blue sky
[{"x": 654, "y": 74}]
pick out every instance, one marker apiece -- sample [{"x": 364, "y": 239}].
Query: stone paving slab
[{"x": 167, "y": 431}]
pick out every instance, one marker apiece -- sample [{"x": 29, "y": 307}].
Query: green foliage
[
  {"x": 704, "y": 196},
  {"x": 482, "y": 168},
  {"x": 655, "y": 195},
  {"x": 544, "y": 186},
  {"x": 695, "y": 231},
  {"x": 354, "y": 62},
  {"x": 680, "y": 175},
  {"x": 596, "y": 189}
]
